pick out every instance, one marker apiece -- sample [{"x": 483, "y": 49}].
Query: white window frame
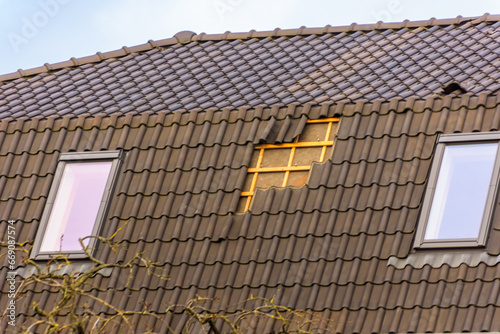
[
  {"x": 443, "y": 141},
  {"x": 73, "y": 157}
]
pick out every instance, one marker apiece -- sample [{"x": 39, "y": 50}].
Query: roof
[
  {"x": 332, "y": 246},
  {"x": 233, "y": 70}
]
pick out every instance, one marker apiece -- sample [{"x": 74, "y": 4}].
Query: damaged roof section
[{"x": 288, "y": 164}]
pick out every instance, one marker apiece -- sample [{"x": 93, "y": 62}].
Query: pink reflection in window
[{"x": 76, "y": 205}]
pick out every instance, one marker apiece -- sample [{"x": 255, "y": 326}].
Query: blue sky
[{"x": 35, "y": 32}]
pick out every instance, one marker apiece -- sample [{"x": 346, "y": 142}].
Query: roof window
[
  {"x": 77, "y": 203},
  {"x": 461, "y": 191}
]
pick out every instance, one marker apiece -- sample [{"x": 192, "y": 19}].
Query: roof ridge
[{"x": 184, "y": 37}]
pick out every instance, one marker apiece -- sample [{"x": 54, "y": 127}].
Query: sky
[{"x": 35, "y": 32}]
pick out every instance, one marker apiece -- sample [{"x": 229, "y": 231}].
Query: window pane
[
  {"x": 461, "y": 191},
  {"x": 76, "y": 205}
]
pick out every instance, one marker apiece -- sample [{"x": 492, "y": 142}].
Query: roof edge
[{"x": 184, "y": 37}]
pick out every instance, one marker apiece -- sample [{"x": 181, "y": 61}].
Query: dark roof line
[{"x": 189, "y": 36}]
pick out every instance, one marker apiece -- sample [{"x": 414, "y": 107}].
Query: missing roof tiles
[
  {"x": 453, "y": 87},
  {"x": 288, "y": 164}
]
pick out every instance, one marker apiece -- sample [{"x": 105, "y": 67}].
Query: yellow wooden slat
[
  {"x": 323, "y": 150},
  {"x": 323, "y": 153},
  {"x": 254, "y": 179},
  {"x": 290, "y": 162},
  {"x": 287, "y": 172},
  {"x": 328, "y": 131},
  {"x": 247, "y": 204},
  {"x": 323, "y": 120},
  {"x": 278, "y": 169},
  {"x": 254, "y": 182},
  {"x": 303, "y": 144}
]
